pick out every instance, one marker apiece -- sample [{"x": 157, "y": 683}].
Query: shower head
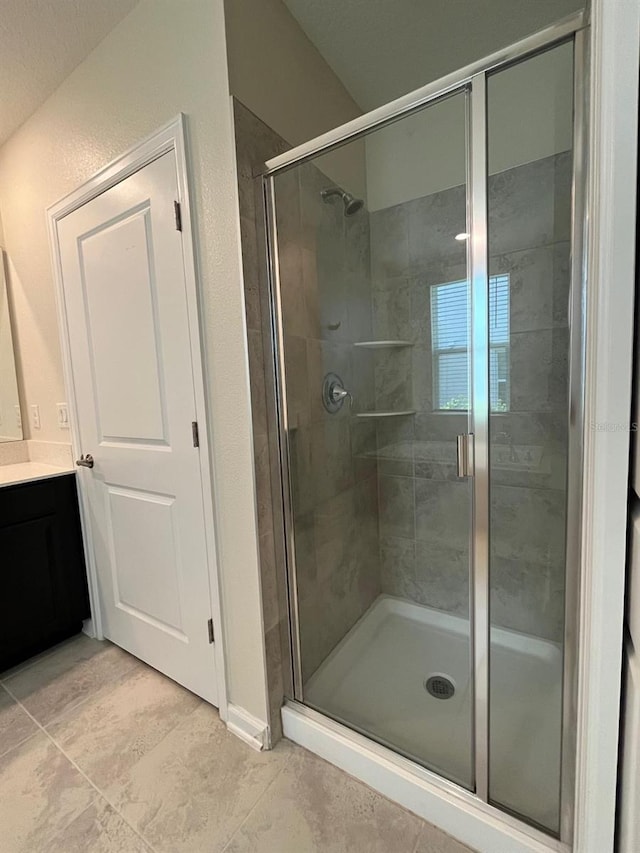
[{"x": 351, "y": 203}]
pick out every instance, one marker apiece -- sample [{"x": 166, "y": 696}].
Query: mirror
[{"x": 10, "y": 417}]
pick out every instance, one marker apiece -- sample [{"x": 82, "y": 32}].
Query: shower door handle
[{"x": 465, "y": 454}]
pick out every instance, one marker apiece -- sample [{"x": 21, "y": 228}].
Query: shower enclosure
[{"x": 427, "y": 314}]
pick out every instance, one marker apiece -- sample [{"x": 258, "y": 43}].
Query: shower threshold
[{"x": 375, "y": 682}]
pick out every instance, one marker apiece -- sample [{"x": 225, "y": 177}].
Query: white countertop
[{"x": 25, "y": 472}]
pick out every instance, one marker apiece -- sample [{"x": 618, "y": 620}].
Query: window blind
[{"x": 450, "y": 334}]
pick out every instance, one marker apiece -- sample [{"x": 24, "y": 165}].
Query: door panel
[
  {"x": 144, "y": 544},
  {"x": 125, "y": 296},
  {"x": 529, "y": 216},
  {"x": 118, "y": 271}
]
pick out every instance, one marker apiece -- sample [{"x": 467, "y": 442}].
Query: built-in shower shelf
[
  {"x": 382, "y": 344},
  {"x": 385, "y": 414}
]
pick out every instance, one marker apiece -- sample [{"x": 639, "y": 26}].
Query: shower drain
[{"x": 440, "y": 686}]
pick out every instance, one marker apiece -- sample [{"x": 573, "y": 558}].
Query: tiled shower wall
[
  {"x": 255, "y": 143},
  {"x": 326, "y": 288},
  {"x": 424, "y": 508},
  {"x": 326, "y": 298}
]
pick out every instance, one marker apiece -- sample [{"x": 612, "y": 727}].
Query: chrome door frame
[
  {"x": 577, "y": 313},
  {"x": 480, "y": 411},
  {"x": 473, "y": 80}
]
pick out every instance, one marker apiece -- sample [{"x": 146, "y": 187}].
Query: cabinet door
[{"x": 43, "y": 589}]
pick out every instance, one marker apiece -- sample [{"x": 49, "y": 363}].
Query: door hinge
[
  {"x": 210, "y": 630},
  {"x": 178, "y": 213},
  {"x": 195, "y": 434}
]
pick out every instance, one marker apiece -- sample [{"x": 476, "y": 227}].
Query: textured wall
[
  {"x": 41, "y": 43},
  {"x": 138, "y": 78},
  {"x": 424, "y": 508},
  {"x": 278, "y": 73}
]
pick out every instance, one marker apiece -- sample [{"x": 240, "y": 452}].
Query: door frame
[{"x": 172, "y": 137}]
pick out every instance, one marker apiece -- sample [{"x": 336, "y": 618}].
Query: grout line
[
  {"x": 101, "y": 794},
  {"x": 103, "y": 690},
  {"x": 24, "y": 739},
  {"x": 256, "y": 803}
]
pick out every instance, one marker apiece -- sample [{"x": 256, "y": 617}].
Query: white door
[{"x": 126, "y": 305}]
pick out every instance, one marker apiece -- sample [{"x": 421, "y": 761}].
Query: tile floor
[{"x": 101, "y": 754}]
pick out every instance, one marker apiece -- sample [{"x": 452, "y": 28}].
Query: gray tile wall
[
  {"x": 424, "y": 509},
  {"x": 255, "y": 143},
  {"x": 325, "y": 279},
  {"x": 326, "y": 293}
]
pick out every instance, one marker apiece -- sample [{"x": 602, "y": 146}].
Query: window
[{"x": 450, "y": 340}]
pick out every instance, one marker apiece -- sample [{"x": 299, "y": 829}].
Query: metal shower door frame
[
  {"x": 471, "y": 80},
  {"x": 479, "y": 277}
]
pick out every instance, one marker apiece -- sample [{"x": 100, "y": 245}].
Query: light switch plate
[
  {"x": 63, "y": 415},
  {"x": 18, "y": 417},
  {"x": 35, "y": 415}
]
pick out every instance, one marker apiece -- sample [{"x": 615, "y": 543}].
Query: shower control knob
[{"x": 334, "y": 393}]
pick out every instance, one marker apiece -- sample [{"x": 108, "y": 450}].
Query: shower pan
[{"x": 428, "y": 363}]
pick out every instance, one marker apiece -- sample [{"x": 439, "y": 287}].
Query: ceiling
[
  {"x": 381, "y": 49},
  {"x": 41, "y": 42}
]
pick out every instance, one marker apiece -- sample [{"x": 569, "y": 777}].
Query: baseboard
[
  {"x": 248, "y": 728},
  {"x": 89, "y": 628}
]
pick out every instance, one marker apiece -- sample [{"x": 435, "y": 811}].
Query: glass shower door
[
  {"x": 530, "y": 160},
  {"x": 428, "y": 309},
  {"x": 375, "y": 332}
]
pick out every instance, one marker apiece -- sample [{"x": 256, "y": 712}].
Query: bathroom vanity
[
  {"x": 43, "y": 585},
  {"x": 43, "y": 582}
]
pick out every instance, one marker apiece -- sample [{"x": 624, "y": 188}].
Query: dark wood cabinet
[{"x": 43, "y": 582}]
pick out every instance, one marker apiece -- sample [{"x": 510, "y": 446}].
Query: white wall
[
  {"x": 167, "y": 56},
  {"x": 279, "y": 75},
  {"x": 530, "y": 117}
]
